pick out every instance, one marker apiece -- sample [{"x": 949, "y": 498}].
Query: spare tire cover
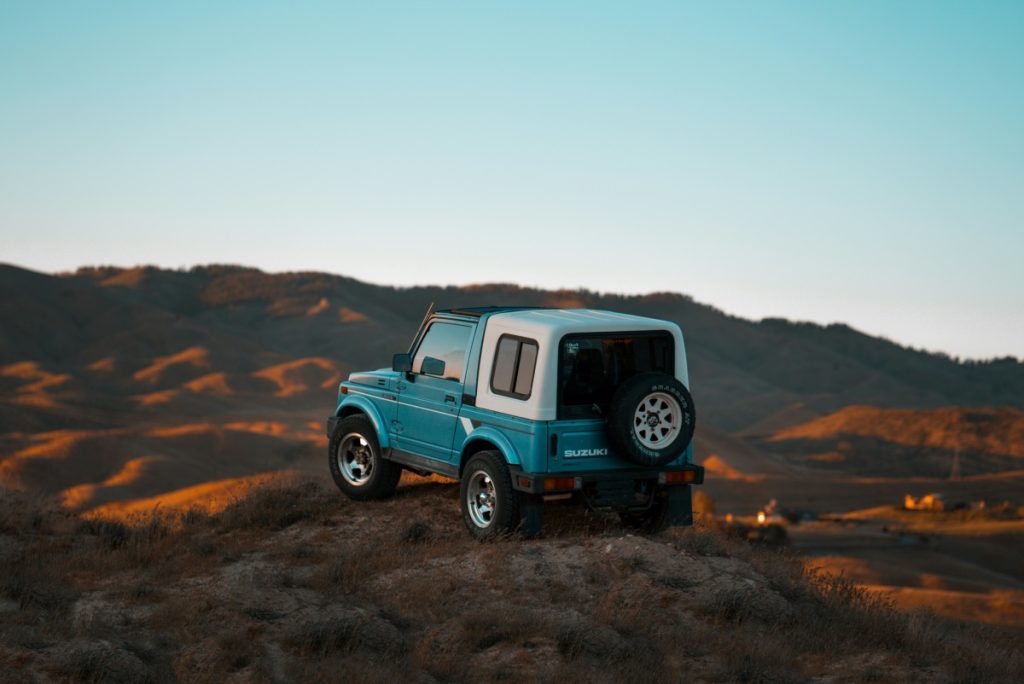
[{"x": 651, "y": 419}]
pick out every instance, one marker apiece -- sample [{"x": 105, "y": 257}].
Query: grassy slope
[{"x": 296, "y": 584}]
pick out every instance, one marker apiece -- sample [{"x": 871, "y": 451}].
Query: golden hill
[
  {"x": 988, "y": 430},
  {"x": 954, "y": 441}
]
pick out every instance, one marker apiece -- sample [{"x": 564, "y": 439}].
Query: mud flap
[
  {"x": 531, "y": 511},
  {"x": 679, "y": 506}
]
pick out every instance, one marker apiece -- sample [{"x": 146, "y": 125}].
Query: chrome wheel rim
[
  {"x": 657, "y": 420},
  {"x": 355, "y": 459},
  {"x": 481, "y": 499}
]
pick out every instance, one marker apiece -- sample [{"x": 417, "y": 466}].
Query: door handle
[{"x": 449, "y": 398}]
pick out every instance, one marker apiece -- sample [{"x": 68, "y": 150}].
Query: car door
[{"x": 430, "y": 397}]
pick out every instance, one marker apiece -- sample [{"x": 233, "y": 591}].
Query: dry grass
[{"x": 297, "y": 584}]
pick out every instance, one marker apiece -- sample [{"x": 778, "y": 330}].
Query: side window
[
  {"x": 515, "y": 359},
  {"x": 447, "y": 342}
]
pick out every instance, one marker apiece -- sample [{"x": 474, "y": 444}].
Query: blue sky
[{"x": 844, "y": 161}]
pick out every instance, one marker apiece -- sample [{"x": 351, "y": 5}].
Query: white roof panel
[
  {"x": 561, "y": 321},
  {"x": 547, "y": 327}
]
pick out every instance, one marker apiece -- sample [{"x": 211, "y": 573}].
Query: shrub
[{"x": 275, "y": 508}]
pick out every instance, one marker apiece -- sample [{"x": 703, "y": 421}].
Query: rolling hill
[
  {"x": 866, "y": 440},
  {"x": 121, "y": 385}
]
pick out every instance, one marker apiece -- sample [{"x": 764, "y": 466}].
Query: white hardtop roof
[
  {"x": 550, "y": 322},
  {"x": 547, "y": 327}
]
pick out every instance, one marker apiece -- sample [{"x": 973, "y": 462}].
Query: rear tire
[
  {"x": 670, "y": 507},
  {"x": 490, "y": 507},
  {"x": 356, "y": 463},
  {"x": 650, "y": 521}
]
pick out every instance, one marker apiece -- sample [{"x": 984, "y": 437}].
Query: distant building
[{"x": 928, "y": 502}]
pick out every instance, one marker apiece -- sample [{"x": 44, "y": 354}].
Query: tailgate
[{"x": 579, "y": 445}]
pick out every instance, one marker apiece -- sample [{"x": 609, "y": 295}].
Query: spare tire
[{"x": 651, "y": 419}]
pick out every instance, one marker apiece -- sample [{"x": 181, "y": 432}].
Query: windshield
[{"x": 592, "y": 366}]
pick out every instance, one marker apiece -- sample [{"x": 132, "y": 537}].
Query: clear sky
[{"x": 829, "y": 161}]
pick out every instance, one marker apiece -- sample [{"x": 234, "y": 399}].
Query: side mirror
[
  {"x": 401, "y": 363},
  {"x": 432, "y": 366}
]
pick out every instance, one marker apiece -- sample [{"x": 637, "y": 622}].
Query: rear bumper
[{"x": 560, "y": 483}]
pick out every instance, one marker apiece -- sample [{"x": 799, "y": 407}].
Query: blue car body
[{"x": 433, "y": 424}]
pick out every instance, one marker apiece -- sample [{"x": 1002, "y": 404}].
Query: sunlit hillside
[{"x": 867, "y": 440}]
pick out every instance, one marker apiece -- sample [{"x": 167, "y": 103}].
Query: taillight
[
  {"x": 677, "y": 477},
  {"x": 553, "y": 484}
]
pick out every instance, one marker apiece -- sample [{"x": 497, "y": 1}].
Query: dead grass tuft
[
  {"x": 416, "y": 531},
  {"x": 750, "y": 657},
  {"x": 340, "y": 628},
  {"x": 276, "y": 508},
  {"x": 112, "y": 660},
  {"x": 32, "y": 583},
  {"x": 706, "y": 539},
  {"x": 116, "y": 535}
]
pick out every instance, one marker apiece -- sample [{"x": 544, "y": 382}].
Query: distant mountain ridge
[
  {"x": 121, "y": 388},
  {"x": 749, "y": 377}
]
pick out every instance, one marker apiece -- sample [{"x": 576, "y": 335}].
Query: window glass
[
  {"x": 447, "y": 342},
  {"x": 527, "y": 361},
  {"x": 505, "y": 364},
  {"x": 514, "y": 363},
  {"x": 592, "y": 367}
]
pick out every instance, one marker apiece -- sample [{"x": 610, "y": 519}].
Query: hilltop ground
[{"x": 294, "y": 583}]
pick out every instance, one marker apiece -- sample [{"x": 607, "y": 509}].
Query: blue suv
[{"x": 524, "y": 405}]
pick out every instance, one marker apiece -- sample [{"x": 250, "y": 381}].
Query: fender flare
[
  {"x": 487, "y": 433},
  {"x": 365, "y": 405}
]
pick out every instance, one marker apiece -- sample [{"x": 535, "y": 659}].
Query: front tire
[
  {"x": 490, "y": 507},
  {"x": 356, "y": 463}
]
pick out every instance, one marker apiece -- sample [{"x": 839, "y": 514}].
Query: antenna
[{"x": 426, "y": 317}]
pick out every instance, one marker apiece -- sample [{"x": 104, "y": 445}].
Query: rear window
[{"x": 591, "y": 367}]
